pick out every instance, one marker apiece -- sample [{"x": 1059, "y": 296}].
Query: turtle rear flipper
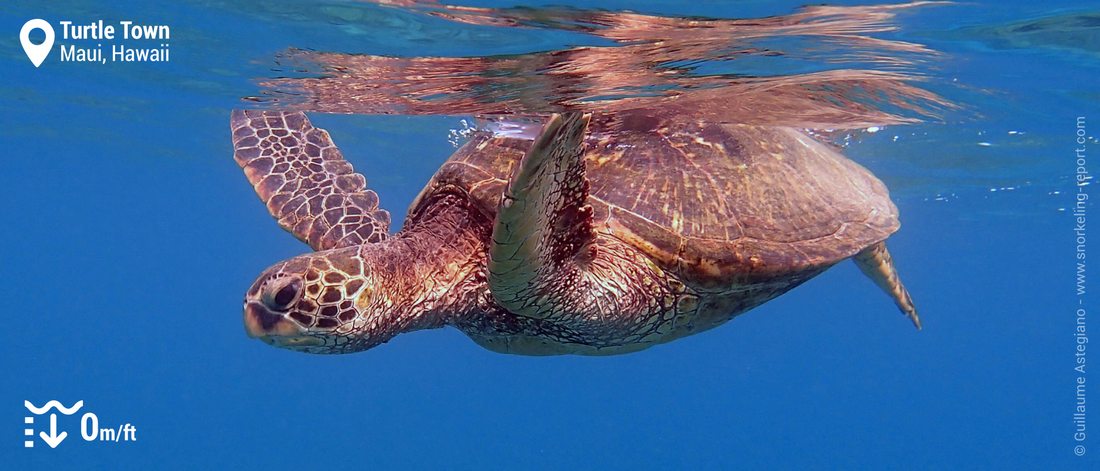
[
  {"x": 876, "y": 263},
  {"x": 303, "y": 178}
]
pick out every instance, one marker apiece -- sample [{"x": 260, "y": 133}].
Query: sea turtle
[{"x": 599, "y": 237}]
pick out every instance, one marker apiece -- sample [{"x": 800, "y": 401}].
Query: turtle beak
[
  {"x": 275, "y": 329},
  {"x": 260, "y": 322}
]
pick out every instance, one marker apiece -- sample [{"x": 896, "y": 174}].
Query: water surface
[{"x": 131, "y": 236}]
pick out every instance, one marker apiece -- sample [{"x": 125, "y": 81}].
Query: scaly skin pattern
[
  {"x": 354, "y": 298},
  {"x": 606, "y": 280},
  {"x": 875, "y": 262},
  {"x": 304, "y": 180},
  {"x": 433, "y": 274},
  {"x": 546, "y": 261}
]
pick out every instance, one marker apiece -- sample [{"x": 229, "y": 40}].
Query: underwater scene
[{"x": 414, "y": 234}]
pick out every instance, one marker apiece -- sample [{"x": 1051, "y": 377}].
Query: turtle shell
[{"x": 718, "y": 205}]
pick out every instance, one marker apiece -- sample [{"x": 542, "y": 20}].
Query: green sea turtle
[{"x": 593, "y": 239}]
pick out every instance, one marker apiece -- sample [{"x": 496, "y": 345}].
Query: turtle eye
[{"x": 282, "y": 293}]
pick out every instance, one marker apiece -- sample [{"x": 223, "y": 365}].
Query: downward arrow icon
[{"x": 53, "y": 439}]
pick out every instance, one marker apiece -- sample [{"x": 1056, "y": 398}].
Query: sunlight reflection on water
[{"x": 674, "y": 67}]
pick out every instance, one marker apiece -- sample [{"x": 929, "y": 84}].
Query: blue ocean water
[{"x": 131, "y": 237}]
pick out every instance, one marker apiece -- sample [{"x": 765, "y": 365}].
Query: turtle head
[{"x": 323, "y": 302}]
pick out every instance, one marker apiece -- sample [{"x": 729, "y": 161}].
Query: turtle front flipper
[
  {"x": 307, "y": 185},
  {"x": 547, "y": 261},
  {"x": 543, "y": 220}
]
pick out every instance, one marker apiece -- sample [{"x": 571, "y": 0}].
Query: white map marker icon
[{"x": 36, "y": 52}]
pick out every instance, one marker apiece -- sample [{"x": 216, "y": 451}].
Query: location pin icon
[{"x": 36, "y": 52}]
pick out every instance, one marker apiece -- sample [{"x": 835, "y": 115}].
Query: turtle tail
[{"x": 876, "y": 263}]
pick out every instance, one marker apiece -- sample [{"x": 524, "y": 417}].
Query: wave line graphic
[{"x": 51, "y": 405}]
